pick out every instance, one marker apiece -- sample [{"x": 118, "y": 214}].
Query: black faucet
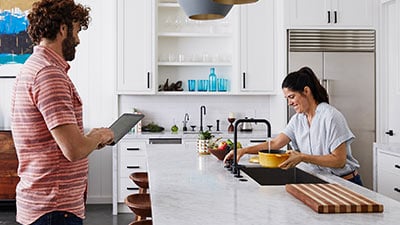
[
  {"x": 235, "y": 166},
  {"x": 202, "y": 110},
  {"x": 185, "y": 120}
]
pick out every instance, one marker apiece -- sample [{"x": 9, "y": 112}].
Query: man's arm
[{"x": 75, "y": 145}]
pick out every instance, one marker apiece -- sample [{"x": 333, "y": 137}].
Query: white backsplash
[{"x": 163, "y": 110}]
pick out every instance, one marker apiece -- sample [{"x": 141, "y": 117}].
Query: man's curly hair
[{"x": 47, "y": 16}]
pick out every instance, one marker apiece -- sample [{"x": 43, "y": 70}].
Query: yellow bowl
[{"x": 272, "y": 158}]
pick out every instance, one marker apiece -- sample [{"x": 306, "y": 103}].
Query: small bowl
[{"x": 220, "y": 154}]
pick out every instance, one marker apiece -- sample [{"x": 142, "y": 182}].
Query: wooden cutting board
[{"x": 332, "y": 198}]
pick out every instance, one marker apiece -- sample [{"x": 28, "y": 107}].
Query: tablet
[{"x": 124, "y": 124}]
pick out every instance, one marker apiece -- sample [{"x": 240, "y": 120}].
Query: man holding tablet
[{"x": 47, "y": 123}]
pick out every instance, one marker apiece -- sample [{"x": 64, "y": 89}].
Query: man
[{"x": 47, "y": 120}]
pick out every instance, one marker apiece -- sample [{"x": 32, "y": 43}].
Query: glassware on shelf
[
  {"x": 212, "y": 80},
  {"x": 191, "y": 85},
  {"x": 202, "y": 85},
  {"x": 222, "y": 84}
]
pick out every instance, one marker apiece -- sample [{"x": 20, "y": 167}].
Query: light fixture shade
[
  {"x": 231, "y": 2},
  {"x": 204, "y": 9}
]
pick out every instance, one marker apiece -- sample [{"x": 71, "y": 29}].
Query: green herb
[{"x": 205, "y": 135}]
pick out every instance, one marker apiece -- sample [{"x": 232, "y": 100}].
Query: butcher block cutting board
[{"x": 332, "y": 198}]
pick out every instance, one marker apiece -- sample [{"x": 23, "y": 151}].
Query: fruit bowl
[{"x": 220, "y": 154}]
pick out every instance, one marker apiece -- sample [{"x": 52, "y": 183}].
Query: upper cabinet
[
  {"x": 257, "y": 47},
  {"x": 160, "y": 49},
  {"x": 328, "y": 13},
  {"x": 135, "y": 47}
]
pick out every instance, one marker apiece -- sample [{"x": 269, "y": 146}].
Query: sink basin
[
  {"x": 277, "y": 176},
  {"x": 197, "y": 132}
]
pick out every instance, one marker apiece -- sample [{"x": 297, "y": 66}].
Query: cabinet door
[
  {"x": 257, "y": 47},
  {"x": 135, "y": 50},
  {"x": 353, "y": 12},
  {"x": 390, "y": 73}
]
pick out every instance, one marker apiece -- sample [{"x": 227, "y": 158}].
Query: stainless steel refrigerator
[{"x": 344, "y": 61}]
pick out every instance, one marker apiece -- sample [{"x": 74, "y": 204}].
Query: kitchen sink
[
  {"x": 277, "y": 176},
  {"x": 197, "y": 132}
]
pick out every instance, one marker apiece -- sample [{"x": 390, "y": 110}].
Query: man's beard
[{"x": 68, "y": 47}]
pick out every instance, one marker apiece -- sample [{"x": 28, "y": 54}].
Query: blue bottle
[{"x": 212, "y": 80}]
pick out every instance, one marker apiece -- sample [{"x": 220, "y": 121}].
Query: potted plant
[{"x": 203, "y": 141}]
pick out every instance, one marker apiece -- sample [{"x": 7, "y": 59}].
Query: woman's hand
[
  {"x": 229, "y": 156},
  {"x": 295, "y": 158}
]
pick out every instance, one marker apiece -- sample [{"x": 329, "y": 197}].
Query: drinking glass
[
  {"x": 202, "y": 85},
  {"x": 222, "y": 84},
  {"x": 192, "y": 85}
]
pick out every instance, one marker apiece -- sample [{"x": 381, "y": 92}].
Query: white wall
[
  {"x": 164, "y": 110},
  {"x": 93, "y": 72}
]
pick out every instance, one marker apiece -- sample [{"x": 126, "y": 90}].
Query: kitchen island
[{"x": 188, "y": 188}]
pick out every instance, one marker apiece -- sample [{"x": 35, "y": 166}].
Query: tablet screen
[{"x": 124, "y": 124}]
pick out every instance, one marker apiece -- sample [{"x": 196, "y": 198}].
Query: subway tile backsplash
[{"x": 167, "y": 110}]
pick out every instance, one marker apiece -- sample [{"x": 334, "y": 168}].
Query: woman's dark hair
[
  {"x": 47, "y": 16},
  {"x": 305, "y": 77}
]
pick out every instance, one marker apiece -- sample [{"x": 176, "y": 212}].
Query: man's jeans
[{"x": 58, "y": 218}]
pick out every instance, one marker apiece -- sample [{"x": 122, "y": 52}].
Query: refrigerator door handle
[{"x": 325, "y": 84}]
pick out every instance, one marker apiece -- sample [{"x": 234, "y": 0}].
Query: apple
[{"x": 222, "y": 145}]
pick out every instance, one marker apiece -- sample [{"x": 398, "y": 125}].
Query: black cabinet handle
[
  {"x": 389, "y": 132},
  {"x": 132, "y": 188},
  {"x": 397, "y": 189},
  {"x": 329, "y": 16},
  {"x": 133, "y": 149},
  {"x": 133, "y": 167},
  {"x": 335, "y": 15},
  {"x": 148, "y": 79},
  {"x": 244, "y": 80},
  {"x": 397, "y": 166}
]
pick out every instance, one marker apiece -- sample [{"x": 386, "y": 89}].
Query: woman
[{"x": 318, "y": 132}]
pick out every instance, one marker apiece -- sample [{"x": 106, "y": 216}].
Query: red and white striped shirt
[{"x": 43, "y": 98}]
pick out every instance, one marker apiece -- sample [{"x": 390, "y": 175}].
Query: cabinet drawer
[
  {"x": 126, "y": 187},
  {"x": 132, "y": 148},
  {"x": 128, "y": 165},
  {"x": 389, "y": 163},
  {"x": 389, "y": 184}
]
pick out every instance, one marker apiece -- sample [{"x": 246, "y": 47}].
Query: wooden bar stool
[
  {"x": 142, "y": 222},
  {"x": 141, "y": 180},
  {"x": 140, "y": 205}
]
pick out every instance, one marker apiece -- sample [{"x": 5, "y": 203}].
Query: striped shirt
[
  {"x": 43, "y": 98},
  {"x": 328, "y": 130}
]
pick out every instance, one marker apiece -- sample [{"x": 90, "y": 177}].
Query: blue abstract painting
[{"x": 15, "y": 43}]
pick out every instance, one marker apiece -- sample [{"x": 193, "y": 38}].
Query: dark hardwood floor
[{"x": 96, "y": 214}]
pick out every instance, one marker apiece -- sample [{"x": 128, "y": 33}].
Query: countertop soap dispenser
[{"x": 212, "y": 80}]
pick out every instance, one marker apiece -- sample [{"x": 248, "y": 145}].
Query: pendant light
[
  {"x": 204, "y": 9},
  {"x": 231, "y": 2}
]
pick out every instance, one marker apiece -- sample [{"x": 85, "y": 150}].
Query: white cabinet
[
  {"x": 131, "y": 158},
  {"x": 135, "y": 46},
  {"x": 187, "y": 49},
  {"x": 387, "y": 176},
  {"x": 389, "y": 73},
  {"x": 257, "y": 47},
  {"x": 342, "y": 13}
]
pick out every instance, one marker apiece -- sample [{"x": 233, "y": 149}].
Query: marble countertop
[{"x": 187, "y": 188}]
